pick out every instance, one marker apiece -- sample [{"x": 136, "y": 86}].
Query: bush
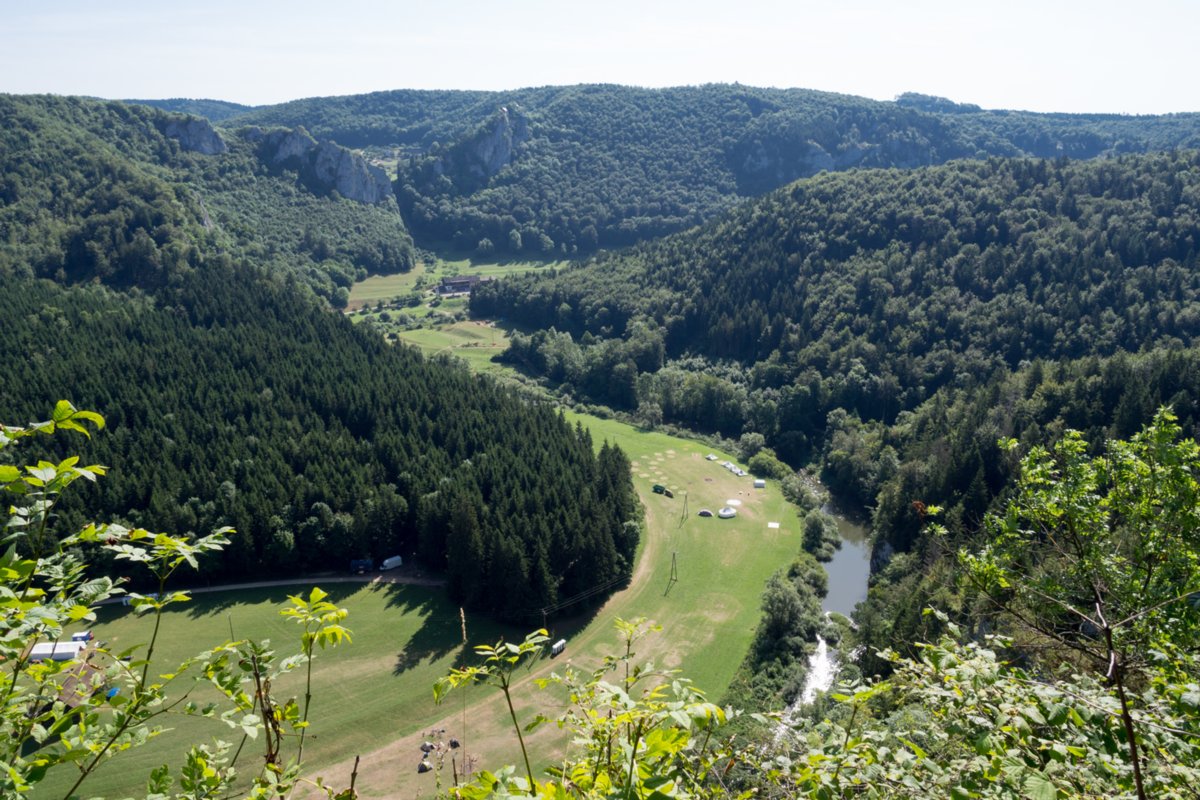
[{"x": 766, "y": 465}]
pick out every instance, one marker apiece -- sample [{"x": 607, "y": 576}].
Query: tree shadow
[
  {"x": 207, "y": 604},
  {"x": 442, "y": 632}
]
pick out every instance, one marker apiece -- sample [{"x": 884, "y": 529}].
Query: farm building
[{"x": 459, "y": 284}]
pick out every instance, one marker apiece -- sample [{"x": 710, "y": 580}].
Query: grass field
[
  {"x": 385, "y": 287},
  {"x": 476, "y": 342},
  {"x": 374, "y": 697},
  {"x": 708, "y": 615},
  {"x": 371, "y": 691},
  {"x": 389, "y": 287}
]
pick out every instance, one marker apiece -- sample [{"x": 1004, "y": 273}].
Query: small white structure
[
  {"x": 558, "y": 647},
  {"x": 711, "y": 457},
  {"x": 727, "y": 513},
  {"x": 759, "y": 483},
  {"x": 392, "y": 562},
  {"x": 56, "y": 651}
]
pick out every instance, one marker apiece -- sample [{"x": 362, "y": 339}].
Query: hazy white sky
[{"x": 1042, "y": 55}]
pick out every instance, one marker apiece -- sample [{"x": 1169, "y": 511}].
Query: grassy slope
[{"x": 405, "y": 638}]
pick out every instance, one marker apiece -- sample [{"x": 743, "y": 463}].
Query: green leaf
[
  {"x": 920, "y": 753},
  {"x": 1039, "y": 787}
]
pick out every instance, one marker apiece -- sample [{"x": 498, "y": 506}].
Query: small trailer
[
  {"x": 361, "y": 566},
  {"x": 391, "y": 562},
  {"x": 82, "y": 636},
  {"x": 558, "y": 647},
  {"x": 56, "y": 651}
]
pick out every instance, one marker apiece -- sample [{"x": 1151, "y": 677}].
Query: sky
[{"x": 1043, "y": 55}]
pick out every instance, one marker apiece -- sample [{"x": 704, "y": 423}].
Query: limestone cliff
[
  {"x": 195, "y": 134},
  {"x": 325, "y": 166},
  {"x": 473, "y": 161}
]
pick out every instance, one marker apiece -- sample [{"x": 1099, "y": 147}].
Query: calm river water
[{"x": 850, "y": 568}]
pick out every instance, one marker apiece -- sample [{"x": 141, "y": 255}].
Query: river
[
  {"x": 850, "y": 567},
  {"x": 848, "y": 574}
]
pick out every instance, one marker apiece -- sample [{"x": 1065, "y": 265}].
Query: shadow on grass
[
  {"x": 442, "y": 631},
  {"x": 214, "y": 603}
]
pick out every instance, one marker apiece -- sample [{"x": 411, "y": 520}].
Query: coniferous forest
[{"x": 236, "y": 398}]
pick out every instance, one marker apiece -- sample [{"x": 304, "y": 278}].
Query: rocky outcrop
[
  {"x": 324, "y": 166},
  {"x": 350, "y": 174},
  {"x": 492, "y": 148},
  {"x": 194, "y": 134},
  {"x": 471, "y": 162}
]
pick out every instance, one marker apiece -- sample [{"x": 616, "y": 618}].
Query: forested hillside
[
  {"x": 559, "y": 170},
  {"x": 234, "y": 400},
  {"x": 132, "y": 196},
  {"x": 167, "y": 277},
  {"x": 889, "y": 326},
  {"x": 869, "y": 291},
  {"x": 214, "y": 110}
]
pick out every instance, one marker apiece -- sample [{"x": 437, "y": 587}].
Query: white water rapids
[{"x": 822, "y": 669}]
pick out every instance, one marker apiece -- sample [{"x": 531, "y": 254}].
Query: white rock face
[
  {"x": 195, "y": 134},
  {"x": 350, "y": 174},
  {"x": 328, "y": 164}
]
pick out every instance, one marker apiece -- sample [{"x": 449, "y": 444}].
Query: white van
[{"x": 391, "y": 563}]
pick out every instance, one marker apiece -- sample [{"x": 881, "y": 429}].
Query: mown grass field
[
  {"x": 385, "y": 287},
  {"x": 374, "y": 697},
  {"x": 368, "y": 692},
  {"x": 708, "y": 615},
  {"x": 474, "y": 341}
]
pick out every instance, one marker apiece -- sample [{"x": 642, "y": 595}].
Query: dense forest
[
  {"x": 170, "y": 280},
  {"x": 563, "y": 170},
  {"x": 233, "y": 399},
  {"x": 869, "y": 291},
  {"x": 888, "y": 328},
  {"x": 214, "y": 110},
  {"x": 103, "y": 190}
]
